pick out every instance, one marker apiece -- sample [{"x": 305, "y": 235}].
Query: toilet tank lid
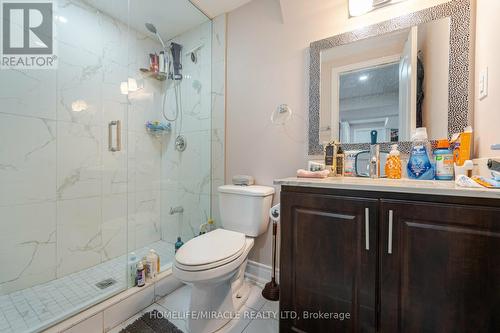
[{"x": 252, "y": 190}]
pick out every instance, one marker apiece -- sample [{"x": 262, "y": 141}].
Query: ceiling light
[
  {"x": 360, "y": 7},
  {"x": 363, "y": 78}
]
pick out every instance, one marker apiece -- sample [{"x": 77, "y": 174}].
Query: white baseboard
[{"x": 260, "y": 273}]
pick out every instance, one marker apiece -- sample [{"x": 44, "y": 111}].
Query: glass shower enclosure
[{"x": 103, "y": 152}]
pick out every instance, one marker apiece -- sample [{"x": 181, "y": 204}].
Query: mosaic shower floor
[{"x": 36, "y": 308}]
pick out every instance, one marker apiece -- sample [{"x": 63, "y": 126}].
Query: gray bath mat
[{"x": 151, "y": 322}]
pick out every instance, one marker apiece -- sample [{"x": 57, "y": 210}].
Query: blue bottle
[
  {"x": 178, "y": 244},
  {"x": 420, "y": 164}
]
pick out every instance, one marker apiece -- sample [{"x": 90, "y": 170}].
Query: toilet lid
[{"x": 211, "y": 247}]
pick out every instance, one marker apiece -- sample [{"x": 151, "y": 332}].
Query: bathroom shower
[{"x": 173, "y": 68}]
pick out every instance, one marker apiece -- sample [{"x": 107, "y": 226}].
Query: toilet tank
[{"x": 245, "y": 208}]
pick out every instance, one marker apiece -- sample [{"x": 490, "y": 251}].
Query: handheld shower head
[{"x": 151, "y": 28}]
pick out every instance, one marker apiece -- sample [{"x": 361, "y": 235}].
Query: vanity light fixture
[{"x": 361, "y": 7}]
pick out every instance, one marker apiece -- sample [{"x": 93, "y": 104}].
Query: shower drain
[{"x": 105, "y": 283}]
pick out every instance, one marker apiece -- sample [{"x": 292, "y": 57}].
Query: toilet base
[{"x": 215, "y": 303}]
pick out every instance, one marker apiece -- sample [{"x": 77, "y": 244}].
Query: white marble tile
[
  {"x": 255, "y": 299},
  {"x": 144, "y": 218},
  {"x": 178, "y": 300},
  {"x": 194, "y": 163},
  {"x": 27, "y": 160},
  {"x": 79, "y": 160},
  {"x": 219, "y": 38},
  {"x": 79, "y": 78},
  {"x": 79, "y": 26},
  {"x": 144, "y": 161},
  {"x": 114, "y": 226},
  {"x": 262, "y": 326},
  {"x": 237, "y": 325},
  {"x": 114, "y": 165},
  {"x": 79, "y": 234},
  {"x": 28, "y": 93},
  {"x": 29, "y": 246},
  {"x": 94, "y": 324}
]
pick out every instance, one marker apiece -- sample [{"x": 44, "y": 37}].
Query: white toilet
[{"x": 214, "y": 263}]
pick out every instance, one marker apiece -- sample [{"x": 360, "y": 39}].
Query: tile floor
[
  {"x": 257, "y": 315},
  {"x": 33, "y": 309}
]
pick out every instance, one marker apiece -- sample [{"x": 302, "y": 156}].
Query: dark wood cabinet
[
  {"x": 394, "y": 262},
  {"x": 443, "y": 271},
  {"x": 328, "y": 262}
]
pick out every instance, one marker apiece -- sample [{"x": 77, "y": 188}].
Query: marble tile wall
[
  {"x": 66, "y": 202},
  {"x": 186, "y": 176},
  {"x": 218, "y": 110}
]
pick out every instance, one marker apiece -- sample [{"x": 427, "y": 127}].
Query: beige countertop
[{"x": 434, "y": 187}]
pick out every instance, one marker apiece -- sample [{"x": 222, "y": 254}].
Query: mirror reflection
[{"x": 391, "y": 83}]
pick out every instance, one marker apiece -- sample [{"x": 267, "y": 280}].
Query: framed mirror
[{"x": 408, "y": 72}]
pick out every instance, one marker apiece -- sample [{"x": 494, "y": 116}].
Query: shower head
[{"x": 151, "y": 28}]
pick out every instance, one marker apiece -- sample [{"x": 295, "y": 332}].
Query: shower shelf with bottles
[
  {"x": 160, "y": 76},
  {"x": 157, "y": 128}
]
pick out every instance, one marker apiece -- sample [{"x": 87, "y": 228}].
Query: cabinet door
[
  {"x": 328, "y": 263},
  {"x": 439, "y": 268}
]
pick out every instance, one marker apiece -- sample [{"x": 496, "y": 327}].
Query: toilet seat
[{"x": 211, "y": 250}]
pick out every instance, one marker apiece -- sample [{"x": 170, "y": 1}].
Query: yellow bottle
[{"x": 393, "y": 168}]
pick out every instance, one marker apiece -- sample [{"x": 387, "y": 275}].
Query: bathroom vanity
[{"x": 396, "y": 255}]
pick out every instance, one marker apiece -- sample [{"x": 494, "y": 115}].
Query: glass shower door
[{"x": 63, "y": 168}]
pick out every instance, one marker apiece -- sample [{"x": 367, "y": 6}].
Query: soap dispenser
[{"x": 393, "y": 167}]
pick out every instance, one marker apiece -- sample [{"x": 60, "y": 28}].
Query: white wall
[
  {"x": 267, "y": 61},
  {"x": 487, "y": 111}
]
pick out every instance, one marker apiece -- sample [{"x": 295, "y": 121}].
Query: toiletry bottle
[
  {"x": 393, "y": 168},
  {"x": 178, "y": 244},
  {"x": 350, "y": 163},
  {"x": 339, "y": 162},
  {"x": 132, "y": 269},
  {"x": 210, "y": 225},
  {"x": 157, "y": 260},
  {"x": 330, "y": 158},
  {"x": 151, "y": 269},
  {"x": 374, "y": 156},
  {"x": 443, "y": 156},
  {"x": 141, "y": 277},
  {"x": 420, "y": 162}
]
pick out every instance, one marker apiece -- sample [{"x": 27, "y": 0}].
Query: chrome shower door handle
[
  {"x": 389, "y": 238},
  {"x": 367, "y": 229},
  {"x": 118, "y": 125}
]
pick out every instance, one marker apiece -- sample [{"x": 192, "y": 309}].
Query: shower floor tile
[{"x": 36, "y": 308}]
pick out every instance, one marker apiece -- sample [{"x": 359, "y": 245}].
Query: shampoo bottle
[
  {"x": 419, "y": 164},
  {"x": 132, "y": 269},
  {"x": 178, "y": 244},
  {"x": 151, "y": 262},
  {"x": 393, "y": 168},
  {"x": 141, "y": 277}
]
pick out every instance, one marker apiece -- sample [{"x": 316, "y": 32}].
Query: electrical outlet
[{"x": 483, "y": 84}]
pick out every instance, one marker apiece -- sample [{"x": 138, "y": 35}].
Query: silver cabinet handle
[
  {"x": 118, "y": 125},
  {"x": 389, "y": 239},
  {"x": 367, "y": 229}
]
